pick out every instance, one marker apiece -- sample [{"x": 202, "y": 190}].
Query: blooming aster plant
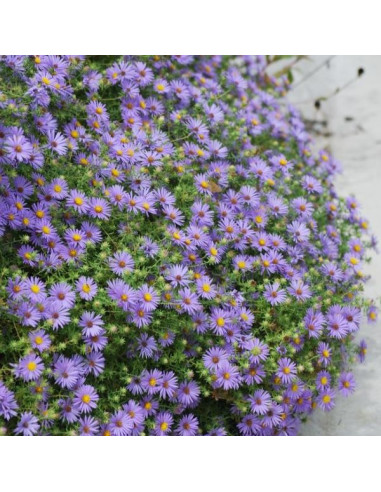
[{"x": 174, "y": 259}]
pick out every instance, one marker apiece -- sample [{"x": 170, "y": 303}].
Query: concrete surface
[{"x": 353, "y": 135}]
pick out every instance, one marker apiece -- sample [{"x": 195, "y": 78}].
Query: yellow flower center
[
  {"x": 204, "y": 184},
  {"x": 35, "y": 288},
  {"x": 163, "y": 426},
  {"x": 152, "y": 382},
  {"x": 266, "y": 263},
  {"x": 258, "y": 219},
  {"x": 160, "y": 87},
  {"x": 78, "y": 200},
  {"x": 326, "y": 398},
  {"x": 241, "y": 264},
  {"x": 325, "y": 353},
  {"x": 286, "y": 370},
  {"x": 324, "y": 380},
  {"x": 38, "y": 340},
  {"x": 45, "y": 80},
  {"x": 77, "y": 237},
  {"x": 213, "y": 251},
  {"x": 206, "y": 287},
  {"x": 83, "y": 161},
  {"x": 46, "y": 229},
  {"x": 86, "y": 398},
  {"x": 147, "y": 297},
  {"x": 57, "y": 189},
  {"x": 283, "y": 162},
  {"x": 86, "y": 288},
  {"x": 31, "y": 366},
  {"x": 220, "y": 322},
  {"x": 74, "y": 134}
]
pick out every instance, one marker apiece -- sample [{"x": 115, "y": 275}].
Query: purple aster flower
[
  {"x": 274, "y": 295},
  {"x": 125, "y": 296},
  {"x": 86, "y": 287},
  {"x": 62, "y": 293},
  {"x": 57, "y": 315},
  {"x": 99, "y": 208},
  {"x": 219, "y": 320},
  {"x": 178, "y": 276},
  {"x": 91, "y": 324},
  {"x": 68, "y": 412},
  {"x": 337, "y": 326},
  {"x": 299, "y": 290},
  {"x": 323, "y": 380},
  {"x": 298, "y": 231},
  {"x": 39, "y": 340},
  {"x": 135, "y": 386},
  {"x": 362, "y": 350},
  {"x": 167, "y": 338},
  {"x": 28, "y": 424},
  {"x": 188, "y": 426},
  {"x": 325, "y": 353},
  {"x": 260, "y": 402},
  {"x": 149, "y": 406},
  {"x": 88, "y": 426},
  {"x": 352, "y": 315},
  {"x": 78, "y": 200},
  {"x": 189, "y": 301},
  {"x": 168, "y": 385},
  {"x": 86, "y": 398},
  {"x": 228, "y": 377},
  {"x": 96, "y": 342},
  {"x": 29, "y": 315},
  {"x": 372, "y": 314},
  {"x": 346, "y": 383},
  {"x": 273, "y": 416},
  {"x": 146, "y": 345},
  {"x": 95, "y": 363},
  {"x": 8, "y": 404},
  {"x": 332, "y": 272},
  {"x": 29, "y": 368},
  {"x": 66, "y": 372},
  {"x": 121, "y": 263},
  {"x": 188, "y": 393},
  {"x": 326, "y": 399},
  {"x": 163, "y": 424},
  {"x": 18, "y": 148},
  {"x": 151, "y": 381},
  {"x": 311, "y": 184},
  {"x": 59, "y": 188},
  {"x": 249, "y": 426},
  {"x": 148, "y": 298},
  {"x": 92, "y": 232},
  {"x": 140, "y": 317},
  {"x": 254, "y": 374},
  {"x": 314, "y": 322},
  {"x": 259, "y": 351},
  {"x": 286, "y": 370},
  {"x": 121, "y": 424},
  {"x": 214, "y": 358},
  {"x": 57, "y": 142},
  {"x": 34, "y": 288}
]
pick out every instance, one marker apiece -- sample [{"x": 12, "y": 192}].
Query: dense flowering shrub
[{"x": 174, "y": 259}]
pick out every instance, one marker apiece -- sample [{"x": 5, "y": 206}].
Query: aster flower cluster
[{"x": 174, "y": 258}]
